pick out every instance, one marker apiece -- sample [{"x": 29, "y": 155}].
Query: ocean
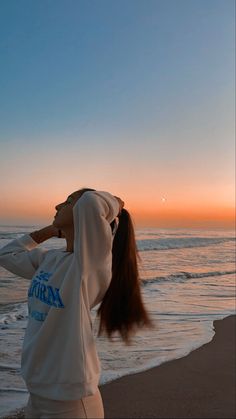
[{"x": 187, "y": 282}]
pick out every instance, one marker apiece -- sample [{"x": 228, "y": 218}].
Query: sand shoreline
[{"x": 200, "y": 385}]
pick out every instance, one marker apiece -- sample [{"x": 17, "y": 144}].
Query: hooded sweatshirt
[{"x": 59, "y": 358}]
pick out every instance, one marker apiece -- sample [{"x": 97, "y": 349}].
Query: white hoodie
[{"x": 59, "y": 358}]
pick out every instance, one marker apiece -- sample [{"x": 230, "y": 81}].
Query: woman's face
[{"x": 64, "y": 215}]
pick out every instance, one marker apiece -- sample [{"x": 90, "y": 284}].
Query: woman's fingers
[{"x": 121, "y": 203}]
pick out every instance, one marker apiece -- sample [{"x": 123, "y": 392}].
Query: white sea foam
[
  {"x": 14, "y": 313},
  {"x": 108, "y": 376}
]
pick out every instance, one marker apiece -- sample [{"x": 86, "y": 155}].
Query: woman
[{"x": 59, "y": 363}]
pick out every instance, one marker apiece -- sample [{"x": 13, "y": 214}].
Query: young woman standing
[{"x": 59, "y": 363}]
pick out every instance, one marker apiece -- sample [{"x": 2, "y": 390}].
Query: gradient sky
[{"x": 134, "y": 97}]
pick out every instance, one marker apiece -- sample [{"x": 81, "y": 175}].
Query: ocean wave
[
  {"x": 183, "y": 276},
  {"x": 12, "y": 366},
  {"x": 9, "y": 236},
  {"x": 180, "y": 243},
  {"x": 18, "y": 312},
  {"x": 12, "y": 389}
]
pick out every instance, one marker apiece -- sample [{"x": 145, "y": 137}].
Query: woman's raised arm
[{"x": 22, "y": 256}]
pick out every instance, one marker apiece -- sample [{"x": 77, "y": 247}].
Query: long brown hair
[{"x": 122, "y": 309}]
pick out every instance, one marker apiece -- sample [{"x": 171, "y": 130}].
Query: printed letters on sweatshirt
[{"x": 45, "y": 293}]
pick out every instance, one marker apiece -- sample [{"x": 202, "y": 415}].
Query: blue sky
[{"x": 147, "y": 85}]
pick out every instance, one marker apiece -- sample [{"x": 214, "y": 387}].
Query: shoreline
[{"x": 199, "y": 385}]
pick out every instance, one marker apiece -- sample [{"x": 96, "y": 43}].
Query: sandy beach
[{"x": 199, "y": 385}]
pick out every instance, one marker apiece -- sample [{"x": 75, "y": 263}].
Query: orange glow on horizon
[{"x": 157, "y": 215}]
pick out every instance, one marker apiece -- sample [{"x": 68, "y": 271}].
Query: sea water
[{"x": 187, "y": 282}]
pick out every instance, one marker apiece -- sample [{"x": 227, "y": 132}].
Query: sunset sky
[{"x": 134, "y": 97}]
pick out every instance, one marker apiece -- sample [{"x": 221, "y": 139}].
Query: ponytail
[{"x": 122, "y": 308}]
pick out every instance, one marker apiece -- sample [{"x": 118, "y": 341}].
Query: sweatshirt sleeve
[
  {"x": 21, "y": 257},
  {"x": 93, "y": 213}
]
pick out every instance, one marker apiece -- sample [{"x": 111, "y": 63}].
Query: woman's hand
[
  {"x": 121, "y": 203},
  {"x": 45, "y": 233}
]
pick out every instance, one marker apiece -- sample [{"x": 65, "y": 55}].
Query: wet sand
[{"x": 199, "y": 385}]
